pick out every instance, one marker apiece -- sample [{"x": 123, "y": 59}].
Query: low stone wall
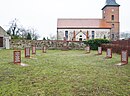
[{"x": 51, "y": 44}]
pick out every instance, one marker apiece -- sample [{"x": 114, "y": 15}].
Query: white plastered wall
[{"x": 98, "y": 33}]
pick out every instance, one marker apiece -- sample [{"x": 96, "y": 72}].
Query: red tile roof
[{"x": 82, "y": 23}]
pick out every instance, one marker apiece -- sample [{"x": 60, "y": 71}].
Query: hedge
[{"x": 95, "y": 43}]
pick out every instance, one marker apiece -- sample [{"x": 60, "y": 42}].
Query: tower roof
[{"x": 110, "y": 3}]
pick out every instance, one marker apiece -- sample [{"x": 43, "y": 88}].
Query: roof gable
[{"x": 3, "y": 32}]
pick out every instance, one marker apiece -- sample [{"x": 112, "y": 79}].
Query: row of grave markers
[
  {"x": 17, "y": 54},
  {"x": 124, "y": 54}
]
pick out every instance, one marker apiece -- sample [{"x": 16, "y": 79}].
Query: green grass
[{"x": 64, "y": 73}]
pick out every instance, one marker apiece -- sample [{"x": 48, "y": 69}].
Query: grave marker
[
  {"x": 109, "y": 53},
  {"x": 33, "y": 50},
  {"x": 99, "y": 50},
  {"x": 124, "y": 56},
  {"x": 87, "y": 49},
  {"x": 27, "y": 52},
  {"x": 44, "y": 49},
  {"x": 65, "y": 46},
  {"x": 17, "y": 57}
]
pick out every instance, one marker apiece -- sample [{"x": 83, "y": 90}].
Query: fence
[{"x": 117, "y": 46}]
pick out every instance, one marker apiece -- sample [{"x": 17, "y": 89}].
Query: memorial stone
[
  {"x": 27, "y": 52},
  {"x": 99, "y": 50},
  {"x": 109, "y": 53},
  {"x": 124, "y": 56},
  {"x": 44, "y": 49},
  {"x": 17, "y": 57},
  {"x": 87, "y": 49},
  {"x": 33, "y": 50}
]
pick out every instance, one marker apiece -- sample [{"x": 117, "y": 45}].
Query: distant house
[
  {"x": 4, "y": 39},
  {"x": 80, "y": 29}
]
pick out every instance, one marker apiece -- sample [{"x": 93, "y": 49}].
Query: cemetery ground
[{"x": 64, "y": 73}]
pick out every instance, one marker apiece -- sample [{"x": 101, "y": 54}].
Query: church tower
[{"x": 110, "y": 13}]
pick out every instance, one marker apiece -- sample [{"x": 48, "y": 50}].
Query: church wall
[
  {"x": 81, "y": 35},
  {"x": 98, "y": 33}
]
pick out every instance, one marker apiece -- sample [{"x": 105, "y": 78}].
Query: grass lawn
[{"x": 64, "y": 73}]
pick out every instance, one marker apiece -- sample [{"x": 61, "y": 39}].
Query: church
[{"x": 82, "y": 29}]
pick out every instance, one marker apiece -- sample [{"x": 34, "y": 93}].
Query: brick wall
[{"x": 117, "y": 46}]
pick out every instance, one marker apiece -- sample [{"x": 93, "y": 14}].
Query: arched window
[
  {"x": 113, "y": 25},
  {"x": 93, "y": 34},
  {"x": 112, "y": 17},
  {"x": 66, "y": 35}
]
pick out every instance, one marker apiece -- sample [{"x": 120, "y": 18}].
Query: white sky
[{"x": 42, "y": 14}]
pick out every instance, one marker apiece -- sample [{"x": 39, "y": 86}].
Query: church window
[
  {"x": 80, "y": 36},
  {"x": 112, "y": 17},
  {"x": 66, "y": 35},
  {"x": 93, "y": 34},
  {"x": 112, "y": 36},
  {"x": 80, "y": 39}
]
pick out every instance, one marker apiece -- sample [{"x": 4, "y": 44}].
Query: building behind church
[
  {"x": 81, "y": 29},
  {"x": 4, "y": 39}
]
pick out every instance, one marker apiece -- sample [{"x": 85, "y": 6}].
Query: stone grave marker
[
  {"x": 33, "y": 49},
  {"x": 87, "y": 49},
  {"x": 27, "y": 52},
  {"x": 65, "y": 46},
  {"x": 99, "y": 50},
  {"x": 109, "y": 53},
  {"x": 17, "y": 57},
  {"x": 44, "y": 49},
  {"x": 124, "y": 56}
]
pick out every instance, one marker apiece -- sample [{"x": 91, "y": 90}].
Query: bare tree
[
  {"x": 13, "y": 29},
  {"x": 18, "y": 31}
]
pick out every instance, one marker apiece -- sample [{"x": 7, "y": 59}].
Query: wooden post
[
  {"x": 17, "y": 57},
  {"x": 27, "y": 52}
]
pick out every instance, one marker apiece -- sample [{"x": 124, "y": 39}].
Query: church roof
[{"x": 82, "y": 23}]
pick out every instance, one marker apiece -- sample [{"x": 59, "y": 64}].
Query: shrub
[{"x": 95, "y": 43}]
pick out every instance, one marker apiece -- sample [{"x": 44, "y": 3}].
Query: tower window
[
  {"x": 112, "y": 10},
  {"x": 113, "y": 25},
  {"x": 112, "y": 17}
]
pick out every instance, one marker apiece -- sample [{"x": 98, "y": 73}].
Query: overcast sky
[{"x": 42, "y": 14}]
